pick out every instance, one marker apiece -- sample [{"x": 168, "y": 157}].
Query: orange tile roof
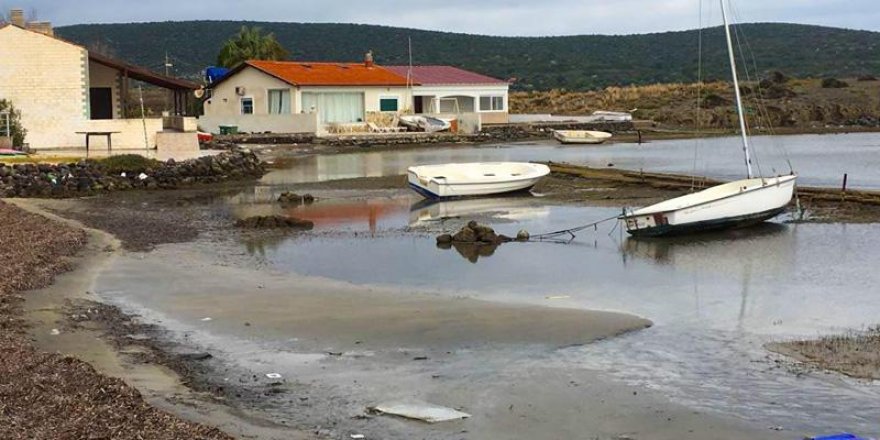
[{"x": 329, "y": 74}]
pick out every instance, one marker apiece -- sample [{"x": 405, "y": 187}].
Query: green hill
[{"x": 538, "y": 63}]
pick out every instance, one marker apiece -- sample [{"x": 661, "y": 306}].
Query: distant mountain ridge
[{"x": 535, "y": 63}]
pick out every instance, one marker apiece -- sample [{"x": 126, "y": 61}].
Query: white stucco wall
[
  {"x": 225, "y": 102},
  {"x": 47, "y": 80}
]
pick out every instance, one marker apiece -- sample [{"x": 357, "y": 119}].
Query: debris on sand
[
  {"x": 273, "y": 221},
  {"x": 420, "y": 411},
  {"x": 292, "y": 198}
]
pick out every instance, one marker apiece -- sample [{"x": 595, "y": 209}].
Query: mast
[{"x": 739, "y": 106}]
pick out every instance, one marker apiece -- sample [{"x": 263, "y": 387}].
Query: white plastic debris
[
  {"x": 357, "y": 436},
  {"x": 55, "y": 332},
  {"x": 142, "y": 176},
  {"x": 420, "y": 411},
  {"x": 557, "y": 297},
  {"x": 122, "y": 174},
  {"x": 273, "y": 375},
  {"x": 207, "y": 318}
]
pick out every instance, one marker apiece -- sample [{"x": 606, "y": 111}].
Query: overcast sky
[{"x": 493, "y": 17}]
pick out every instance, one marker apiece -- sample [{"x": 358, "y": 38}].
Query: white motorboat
[
  {"x": 474, "y": 179},
  {"x": 424, "y": 123},
  {"x": 581, "y": 136},
  {"x": 734, "y": 204}
]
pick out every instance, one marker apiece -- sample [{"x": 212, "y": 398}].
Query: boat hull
[
  {"x": 437, "y": 182},
  {"x": 581, "y": 136},
  {"x": 735, "y": 204}
]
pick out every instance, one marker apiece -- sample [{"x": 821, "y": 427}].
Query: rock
[
  {"x": 274, "y": 221},
  {"x": 294, "y": 198},
  {"x": 522, "y": 235},
  {"x": 444, "y": 238},
  {"x": 465, "y": 235}
]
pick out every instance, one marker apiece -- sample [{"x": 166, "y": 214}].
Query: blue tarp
[
  {"x": 213, "y": 73},
  {"x": 841, "y": 436}
]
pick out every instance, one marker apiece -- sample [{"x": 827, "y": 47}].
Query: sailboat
[{"x": 734, "y": 204}]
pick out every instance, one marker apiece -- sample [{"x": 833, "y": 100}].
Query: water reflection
[
  {"x": 508, "y": 208},
  {"x": 471, "y": 251}
]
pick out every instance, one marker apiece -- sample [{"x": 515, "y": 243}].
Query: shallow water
[
  {"x": 714, "y": 299},
  {"x": 820, "y": 160}
]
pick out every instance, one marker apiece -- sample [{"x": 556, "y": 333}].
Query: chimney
[
  {"x": 16, "y": 17},
  {"x": 368, "y": 59},
  {"x": 43, "y": 27}
]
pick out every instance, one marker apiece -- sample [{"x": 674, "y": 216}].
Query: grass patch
[{"x": 129, "y": 163}]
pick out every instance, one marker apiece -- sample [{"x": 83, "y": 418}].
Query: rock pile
[
  {"x": 273, "y": 222},
  {"x": 89, "y": 177},
  {"x": 292, "y": 198},
  {"x": 474, "y": 233}
]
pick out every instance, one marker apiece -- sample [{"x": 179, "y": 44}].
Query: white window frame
[
  {"x": 269, "y": 100},
  {"x": 241, "y": 105},
  {"x": 394, "y": 97},
  {"x": 491, "y": 101}
]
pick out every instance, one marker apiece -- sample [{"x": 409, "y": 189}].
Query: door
[
  {"x": 419, "y": 104},
  {"x": 101, "y": 102}
]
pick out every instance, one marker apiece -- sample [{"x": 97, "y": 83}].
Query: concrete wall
[
  {"x": 130, "y": 136},
  {"x": 225, "y": 102},
  {"x": 47, "y": 79},
  {"x": 180, "y": 123},
  {"x": 297, "y": 123}
]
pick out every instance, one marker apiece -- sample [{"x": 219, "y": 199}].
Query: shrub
[
  {"x": 833, "y": 83},
  {"x": 18, "y": 132},
  {"x": 128, "y": 163}
]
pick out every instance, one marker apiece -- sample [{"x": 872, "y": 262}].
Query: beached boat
[
  {"x": 734, "y": 204},
  {"x": 581, "y": 136},
  {"x": 424, "y": 123},
  {"x": 474, "y": 179}
]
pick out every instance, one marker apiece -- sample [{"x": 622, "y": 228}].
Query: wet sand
[{"x": 467, "y": 342}]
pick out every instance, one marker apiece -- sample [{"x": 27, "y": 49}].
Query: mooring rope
[{"x": 571, "y": 231}]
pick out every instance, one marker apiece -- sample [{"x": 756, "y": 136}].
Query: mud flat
[{"x": 855, "y": 354}]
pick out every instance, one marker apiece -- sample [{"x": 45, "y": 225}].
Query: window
[
  {"x": 388, "y": 104},
  {"x": 279, "y": 102},
  {"x": 491, "y": 103},
  {"x": 247, "y": 106}
]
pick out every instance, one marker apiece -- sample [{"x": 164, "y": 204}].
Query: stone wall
[{"x": 91, "y": 177}]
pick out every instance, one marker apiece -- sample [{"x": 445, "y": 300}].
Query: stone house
[{"x": 63, "y": 90}]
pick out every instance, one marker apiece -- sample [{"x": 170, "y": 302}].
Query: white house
[
  {"x": 310, "y": 97},
  {"x": 450, "y": 90},
  {"x": 294, "y": 97},
  {"x": 64, "y": 91}
]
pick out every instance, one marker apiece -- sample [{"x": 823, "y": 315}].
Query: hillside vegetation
[
  {"x": 584, "y": 62},
  {"x": 775, "y": 102}
]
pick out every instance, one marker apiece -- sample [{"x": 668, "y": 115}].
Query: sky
[{"x": 488, "y": 17}]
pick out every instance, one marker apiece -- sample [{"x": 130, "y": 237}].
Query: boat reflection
[
  {"x": 767, "y": 244},
  {"x": 512, "y": 208}
]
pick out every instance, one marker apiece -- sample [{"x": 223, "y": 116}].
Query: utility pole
[{"x": 168, "y": 67}]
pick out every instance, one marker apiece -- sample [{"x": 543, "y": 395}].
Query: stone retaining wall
[{"x": 91, "y": 177}]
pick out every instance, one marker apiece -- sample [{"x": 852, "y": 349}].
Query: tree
[
  {"x": 250, "y": 44},
  {"x": 17, "y": 131}
]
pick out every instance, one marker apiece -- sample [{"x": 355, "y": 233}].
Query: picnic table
[{"x": 106, "y": 134}]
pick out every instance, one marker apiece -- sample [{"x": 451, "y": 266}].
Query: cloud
[{"x": 493, "y": 17}]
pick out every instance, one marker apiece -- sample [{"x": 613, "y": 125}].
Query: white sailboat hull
[
  {"x": 474, "y": 179},
  {"x": 733, "y": 204},
  {"x": 581, "y": 136}
]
